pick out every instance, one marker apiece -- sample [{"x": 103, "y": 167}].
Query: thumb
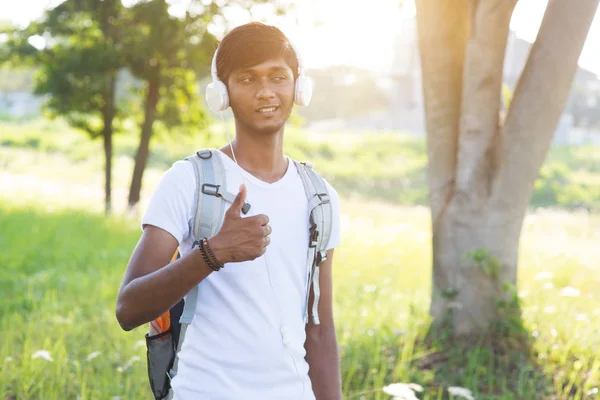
[{"x": 238, "y": 203}]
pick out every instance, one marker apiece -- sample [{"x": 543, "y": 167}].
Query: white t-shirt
[{"x": 235, "y": 348}]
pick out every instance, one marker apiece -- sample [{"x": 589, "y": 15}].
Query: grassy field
[
  {"x": 61, "y": 263},
  {"x": 391, "y": 167}
]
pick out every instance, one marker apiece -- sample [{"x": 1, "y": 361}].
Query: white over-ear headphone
[{"x": 218, "y": 98}]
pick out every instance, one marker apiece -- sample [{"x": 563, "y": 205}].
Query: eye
[
  {"x": 246, "y": 79},
  {"x": 279, "y": 78}
]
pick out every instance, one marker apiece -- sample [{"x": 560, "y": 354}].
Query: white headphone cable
[{"x": 286, "y": 338}]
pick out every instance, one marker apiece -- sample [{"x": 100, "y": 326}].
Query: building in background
[{"x": 579, "y": 124}]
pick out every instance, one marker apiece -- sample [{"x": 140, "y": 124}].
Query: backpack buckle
[
  {"x": 324, "y": 197},
  {"x": 211, "y": 190},
  {"x": 204, "y": 154},
  {"x": 321, "y": 256}
]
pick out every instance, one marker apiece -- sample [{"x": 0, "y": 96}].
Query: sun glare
[{"x": 340, "y": 32}]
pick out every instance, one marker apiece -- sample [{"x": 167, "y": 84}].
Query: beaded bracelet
[
  {"x": 207, "y": 248},
  {"x": 207, "y": 261}
]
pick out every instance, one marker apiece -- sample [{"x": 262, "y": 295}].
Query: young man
[{"x": 248, "y": 339}]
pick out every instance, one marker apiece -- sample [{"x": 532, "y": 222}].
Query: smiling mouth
[{"x": 266, "y": 110}]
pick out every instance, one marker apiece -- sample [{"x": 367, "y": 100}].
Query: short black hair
[{"x": 251, "y": 44}]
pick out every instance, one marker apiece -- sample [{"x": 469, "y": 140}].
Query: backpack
[{"x": 167, "y": 332}]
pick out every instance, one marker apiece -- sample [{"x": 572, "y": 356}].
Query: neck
[{"x": 259, "y": 154}]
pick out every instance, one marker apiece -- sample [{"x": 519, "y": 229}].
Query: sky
[{"x": 345, "y": 32}]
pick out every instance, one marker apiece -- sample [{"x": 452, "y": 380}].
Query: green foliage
[
  {"x": 390, "y": 167},
  {"x": 78, "y": 63},
  {"x": 569, "y": 178},
  {"x": 481, "y": 258},
  {"x": 172, "y": 53},
  {"x": 509, "y": 323}
]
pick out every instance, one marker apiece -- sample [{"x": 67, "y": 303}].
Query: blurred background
[{"x": 98, "y": 99}]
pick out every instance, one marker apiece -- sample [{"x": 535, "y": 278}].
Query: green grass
[
  {"x": 61, "y": 263},
  {"x": 58, "y": 278},
  {"x": 61, "y": 270}
]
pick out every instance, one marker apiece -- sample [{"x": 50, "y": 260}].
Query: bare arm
[
  {"x": 150, "y": 272},
  {"x": 152, "y": 284},
  {"x": 321, "y": 341}
]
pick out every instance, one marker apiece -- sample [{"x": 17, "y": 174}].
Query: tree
[
  {"x": 78, "y": 64},
  {"x": 481, "y": 168},
  {"x": 168, "y": 54}
]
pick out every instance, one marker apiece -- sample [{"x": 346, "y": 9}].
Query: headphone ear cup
[
  {"x": 303, "y": 90},
  {"x": 217, "y": 97}
]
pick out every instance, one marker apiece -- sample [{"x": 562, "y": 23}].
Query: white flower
[
  {"x": 581, "y": 317},
  {"x": 543, "y": 275},
  {"x": 59, "y": 319},
  {"x": 8, "y": 359},
  {"x": 569, "y": 292},
  {"x": 128, "y": 364},
  {"x": 45, "y": 354},
  {"x": 461, "y": 392},
  {"x": 403, "y": 391},
  {"x": 93, "y": 355},
  {"x": 139, "y": 343}
]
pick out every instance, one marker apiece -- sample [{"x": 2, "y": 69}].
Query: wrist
[
  {"x": 203, "y": 250},
  {"x": 219, "y": 255}
]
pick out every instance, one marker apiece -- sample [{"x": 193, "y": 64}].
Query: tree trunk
[
  {"x": 143, "y": 150},
  {"x": 108, "y": 115},
  {"x": 109, "y": 109},
  {"x": 481, "y": 175},
  {"x": 443, "y": 31},
  {"x": 107, "y": 135},
  {"x": 539, "y": 99}
]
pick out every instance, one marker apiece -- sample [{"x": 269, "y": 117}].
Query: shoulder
[
  {"x": 333, "y": 197},
  {"x": 334, "y": 201},
  {"x": 170, "y": 206},
  {"x": 181, "y": 170},
  {"x": 333, "y": 194},
  {"x": 330, "y": 189}
]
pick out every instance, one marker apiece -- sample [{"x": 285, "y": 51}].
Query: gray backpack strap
[
  {"x": 320, "y": 220},
  {"x": 207, "y": 220}
]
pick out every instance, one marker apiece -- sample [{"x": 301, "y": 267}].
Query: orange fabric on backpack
[{"x": 162, "y": 323}]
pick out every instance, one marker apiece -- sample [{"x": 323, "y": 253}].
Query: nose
[{"x": 265, "y": 91}]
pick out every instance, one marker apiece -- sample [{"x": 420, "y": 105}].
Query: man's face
[{"x": 262, "y": 96}]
